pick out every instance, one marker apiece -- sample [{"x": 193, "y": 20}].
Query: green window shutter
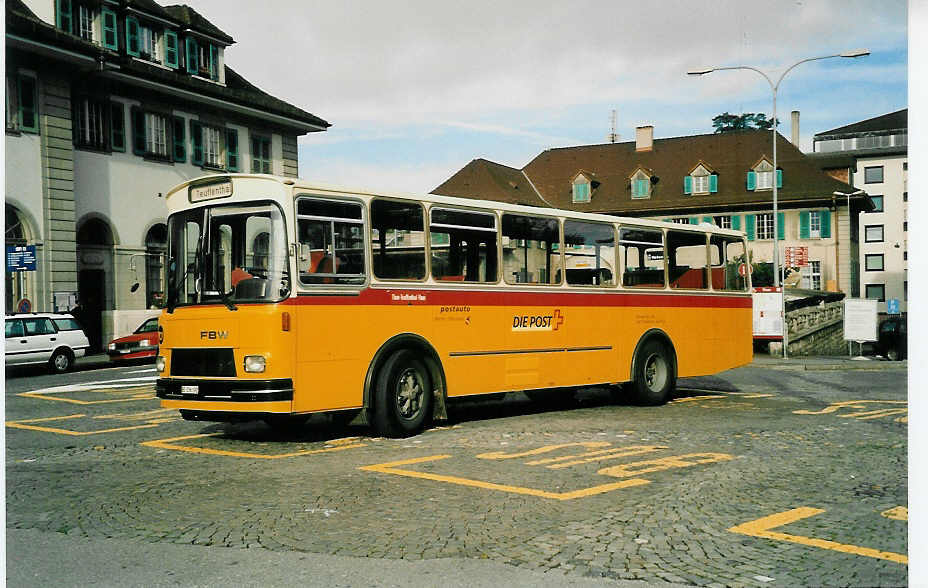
[
  {"x": 110, "y": 38},
  {"x": 192, "y": 55},
  {"x": 171, "y": 58},
  {"x": 196, "y": 137},
  {"x": 781, "y": 226},
  {"x": 687, "y": 184},
  {"x": 213, "y": 62},
  {"x": 180, "y": 140},
  {"x": 694, "y": 220},
  {"x": 707, "y": 219},
  {"x": 132, "y": 36},
  {"x": 749, "y": 221},
  {"x": 117, "y": 127},
  {"x": 138, "y": 131},
  {"x": 804, "y": 224},
  {"x": 779, "y": 178},
  {"x": 63, "y": 15},
  {"x": 736, "y": 222},
  {"x": 28, "y": 98},
  {"x": 825, "y": 217},
  {"x": 713, "y": 183},
  {"x": 232, "y": 149},
  {"x": 752, "y": 180}
]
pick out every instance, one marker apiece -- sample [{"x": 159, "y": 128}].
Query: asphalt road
[{"x": 769, "y": 475}]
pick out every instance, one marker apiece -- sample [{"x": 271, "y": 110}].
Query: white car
[{"x": 55, "y": 339}]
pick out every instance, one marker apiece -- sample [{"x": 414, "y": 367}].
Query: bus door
[{"x": 536, "y": 336}]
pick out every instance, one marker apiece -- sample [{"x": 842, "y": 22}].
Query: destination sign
[{"x": 210, "y": 191}]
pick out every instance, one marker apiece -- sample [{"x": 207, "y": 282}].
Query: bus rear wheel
[
  {"x": 655, "y": 376},
  {"x": 403, "y": 397}
]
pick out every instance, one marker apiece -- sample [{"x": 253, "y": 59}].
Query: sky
[{"x": 415, "y": 90}]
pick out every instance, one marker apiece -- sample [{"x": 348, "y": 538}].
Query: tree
[{"x": 727, "y": 122}]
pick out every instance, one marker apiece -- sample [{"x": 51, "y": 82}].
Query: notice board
[{"x": 860, "y": 319}]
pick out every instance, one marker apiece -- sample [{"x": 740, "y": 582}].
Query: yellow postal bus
[{"x": 288, "y": 298}]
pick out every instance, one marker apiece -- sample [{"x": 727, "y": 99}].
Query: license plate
[{"x": 190, "y": 390}]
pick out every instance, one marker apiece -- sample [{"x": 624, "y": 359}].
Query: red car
[{"x": 141, "y": 344}]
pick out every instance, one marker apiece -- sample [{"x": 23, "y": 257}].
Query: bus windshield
[{"x": 227, "y": 254}]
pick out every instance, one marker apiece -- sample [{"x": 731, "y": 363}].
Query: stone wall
[{"x": 817, "y": 330}]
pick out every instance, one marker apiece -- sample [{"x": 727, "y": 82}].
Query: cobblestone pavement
[{"x": 760, "y": 476}]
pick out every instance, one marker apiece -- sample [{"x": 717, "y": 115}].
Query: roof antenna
[{"x": 613, "y": 136}]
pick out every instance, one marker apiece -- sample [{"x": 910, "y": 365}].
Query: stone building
[
  {"x": 109, "y": 104},
  {"x": 725, "y": 179}
]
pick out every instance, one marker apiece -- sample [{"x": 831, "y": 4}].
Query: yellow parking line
[
  {"x": 337, "y": 445},
  {"x": 392, "y": 468},
  {"x": 761, "y": 528},
  {"x": 898, "y": 513},
  {"x": 24, "y": 425}
]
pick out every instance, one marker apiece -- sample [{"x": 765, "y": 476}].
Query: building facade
[
  {"x": 724, "y": 179},
  {"x": 872, "y": 155},
  {"x": 109, "y": 104}
]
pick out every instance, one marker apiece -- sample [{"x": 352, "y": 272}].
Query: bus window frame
[
  {"x": 616, "y": 282},
  {"x": 425, "y": 232},
  {"x": 744, "y": 244},
  {"x": 621, "y": 264},
  {"x": 706, "y": 273},
  {"x": 560, "y": 242},
  {"x": 365, "y": 229},
  {"x": 497, "y": 229}
]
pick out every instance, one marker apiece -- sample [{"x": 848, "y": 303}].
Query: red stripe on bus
[{"x": 416, "y": 297}]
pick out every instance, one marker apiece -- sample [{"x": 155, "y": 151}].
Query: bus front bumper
[{"x": 238, "y": 395}]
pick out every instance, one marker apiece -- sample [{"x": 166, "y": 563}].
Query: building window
[
  {"x": 232, "y": 150},
  {"x": 212, "y": 147},
  {"x": 151, "y": 134},
  {"x": 722, "y": 222},
  {"x": 905, "y": 226},
  {"x": 873, "y": 262},
  {"x": 877, "y": 203},
  {"x": 208, "y": 61},
  {"x": 581, "y": 189},
  {"x": 700, "y": 181},
  {"x": 260, "y": 155},
  {"x": 108, "y": 24},
  {"x": 63, "y": 15},
  {"x": 873, "y": 175},
  {"x": 155, "y": 248},
  {"x": 873, "y": 234},
  {"x": 85, "y": 22},
  {"x": 815, "y": 225},
  {"x": 763, "y": 175},
  {"x": 21, "y": 101},
  {"x": 180, "y": 143},
  {"x": 876, "y": 291},
  {"x": 641, "y": 185},
  {"x": 815, "y": 274},
  {"x": 171, "y": 50},
  {"x": 680, "y": 220},
  {"x": 117, "y": 127},
  {"x": 905, "y": 196},
  {"x": 90, "y": 128},
  {"x": 764, "y": 225},
  {"x": 150, "y": 44}
]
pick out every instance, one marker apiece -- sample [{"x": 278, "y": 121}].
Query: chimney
[
  {"x": 795, "y": 135},
  {"x": 644, "y": 138}
]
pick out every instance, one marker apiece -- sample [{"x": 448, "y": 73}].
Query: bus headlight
[
  {"x": 159, "y": 363},
  {"x": 255, "y": 364}
]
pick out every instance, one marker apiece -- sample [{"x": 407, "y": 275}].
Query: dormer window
[
  {"x": 582, "y": 188},
  {"x": 761, "y": 176},
  {"x": 701, "y": 180},
  {"x": 641, "y": 184}
]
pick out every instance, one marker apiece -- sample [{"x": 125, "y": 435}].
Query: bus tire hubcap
[{"x": 409, "y": 391}]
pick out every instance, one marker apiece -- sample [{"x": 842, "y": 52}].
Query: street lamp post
[{"x": 774, "y": 87}]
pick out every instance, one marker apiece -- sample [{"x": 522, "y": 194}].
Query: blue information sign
[
  {"x": 20, "y": 258},
  {"x": 892, "y": 306}
]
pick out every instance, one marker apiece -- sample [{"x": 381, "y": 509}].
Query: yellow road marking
[
  {"x": 898, "y": 513},
  {"x": 337, "y": 445},
  {"x": 692, "y": 398},
  {"x": 24, "y": 424},
  {"x": 762, "y": 528},
  {"x": 609, "y": 454},
  {"x": 135, "y": 393},
  {"x": 391, "y": 468},
  {"x": 874, "y": 414},
  {"x": 663, "y": 463},
  {"x": 860, "y": 404},
  {"x": 545, "y": 449}
]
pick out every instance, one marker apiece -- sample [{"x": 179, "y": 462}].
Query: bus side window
[
  {"x": 642, "y": 255},
  {"x": 687, "y": 260},
  {"x": 398, "y": 240},
  {"x": 463, "y": 246},
  {"x": 589, "y": 253},
  {"x": 530, "y": 249},
  {"x": 726, "y": 255},
  {"x": 331, "y": 242}
]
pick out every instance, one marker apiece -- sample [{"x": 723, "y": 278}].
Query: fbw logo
[{"x": 538, "y": 322}]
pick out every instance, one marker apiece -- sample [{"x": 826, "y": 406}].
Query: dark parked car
[{"x": 892, "y": 342}]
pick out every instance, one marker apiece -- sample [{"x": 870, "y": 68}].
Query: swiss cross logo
[{"x": 558, "y": 319}]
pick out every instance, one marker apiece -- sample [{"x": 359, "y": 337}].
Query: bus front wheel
[
  {"x": 655, "y": 376},
  {"x": 403, "y": 397}
]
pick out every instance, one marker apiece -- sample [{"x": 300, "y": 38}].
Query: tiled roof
[
  {"x": 836, "y": 159},
  {"x": 485, "y": 179},
  {"x": 730, "y": 155},
  {"x": 23, "y": 22},
  {"x": 893, "y": 121},
  {"x": 196, "y": 21}
]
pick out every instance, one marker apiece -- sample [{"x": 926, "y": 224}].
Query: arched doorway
[
  {"x": 94, "y": 277},
  {"x": 156, "y": 245},
  {"x": 20, "y": 285}
]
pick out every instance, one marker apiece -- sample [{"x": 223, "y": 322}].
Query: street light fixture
[{"x": 774, "y": 87}]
